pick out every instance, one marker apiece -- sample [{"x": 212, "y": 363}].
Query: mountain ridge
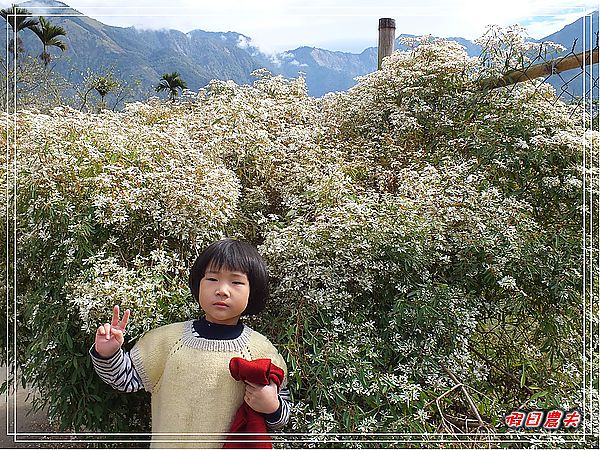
[{"x": 200, "y": 56}]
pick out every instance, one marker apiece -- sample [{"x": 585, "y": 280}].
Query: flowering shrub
[
  {"x": 419, "y": 232},
  {"x": 507, "y": 49}
]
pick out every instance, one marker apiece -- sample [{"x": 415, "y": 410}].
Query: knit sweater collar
[
  {"x": 209, "y": 330},
  {"x": 191, "y": 339}
]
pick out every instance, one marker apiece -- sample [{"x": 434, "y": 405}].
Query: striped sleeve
[
  {"x": 281, "y": 417},
  {"x": 117, "y": 371}
]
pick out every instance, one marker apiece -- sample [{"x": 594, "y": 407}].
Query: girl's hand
[
  {"x": 262, "y": 399},
  {"x": 109, "y": 337}
]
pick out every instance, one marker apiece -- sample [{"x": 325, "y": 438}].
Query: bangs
[{"x": 230, "y": 259}]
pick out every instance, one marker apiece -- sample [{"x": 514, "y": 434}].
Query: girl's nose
[{"x": 222, "y": 291}]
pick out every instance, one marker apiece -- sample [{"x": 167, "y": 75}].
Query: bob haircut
[{"x": 230, "y": 254}]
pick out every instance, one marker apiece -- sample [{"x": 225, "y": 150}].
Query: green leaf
[{"x": 538, "y": 395}]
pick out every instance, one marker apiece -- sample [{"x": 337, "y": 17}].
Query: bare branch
[{"x": 472, "y": 406}]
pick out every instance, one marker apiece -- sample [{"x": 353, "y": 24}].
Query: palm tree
[
  {"x": 18, "y": 19},
  {"x": 48, "y": 33},
  {"x": 103, "y": 85},
  {"x": 172, "y": 83}
]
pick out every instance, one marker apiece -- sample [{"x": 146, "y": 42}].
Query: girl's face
[{"x": 224, "y": 295}]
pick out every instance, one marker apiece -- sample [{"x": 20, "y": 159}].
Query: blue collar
[{"x": 209, "y": 330}]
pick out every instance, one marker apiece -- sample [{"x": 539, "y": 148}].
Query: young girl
[{"x": 185, "y": 366}]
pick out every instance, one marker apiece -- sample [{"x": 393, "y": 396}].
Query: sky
[{"x": 342, "y": 25}]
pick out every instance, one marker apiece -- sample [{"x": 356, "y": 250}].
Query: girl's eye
[
  {"x": 241, "y": 283},
  {"x": 211, "y": 279}
]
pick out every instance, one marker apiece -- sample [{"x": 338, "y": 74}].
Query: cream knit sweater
[{"x": 194, "y": 397}]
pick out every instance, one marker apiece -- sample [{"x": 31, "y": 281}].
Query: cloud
[
  {"x": 278, "y": 25},
  {"x": 279, "y": 58},
  {"x": 36, "y": 8},
  {"x": 244, "y": 42},
  {"x": 295, "y": 62}
]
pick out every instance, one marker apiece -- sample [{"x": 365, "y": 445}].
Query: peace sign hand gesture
[{"x": 109, "y": 337}]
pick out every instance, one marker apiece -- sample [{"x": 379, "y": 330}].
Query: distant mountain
[
  {"x": 146, "y": 54},
  {"x": 200, "y": 56},
  {"x": 575, "y": 40},
  {"x": 572, "y": 36},
  {"x": 324, "y": 70}
]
